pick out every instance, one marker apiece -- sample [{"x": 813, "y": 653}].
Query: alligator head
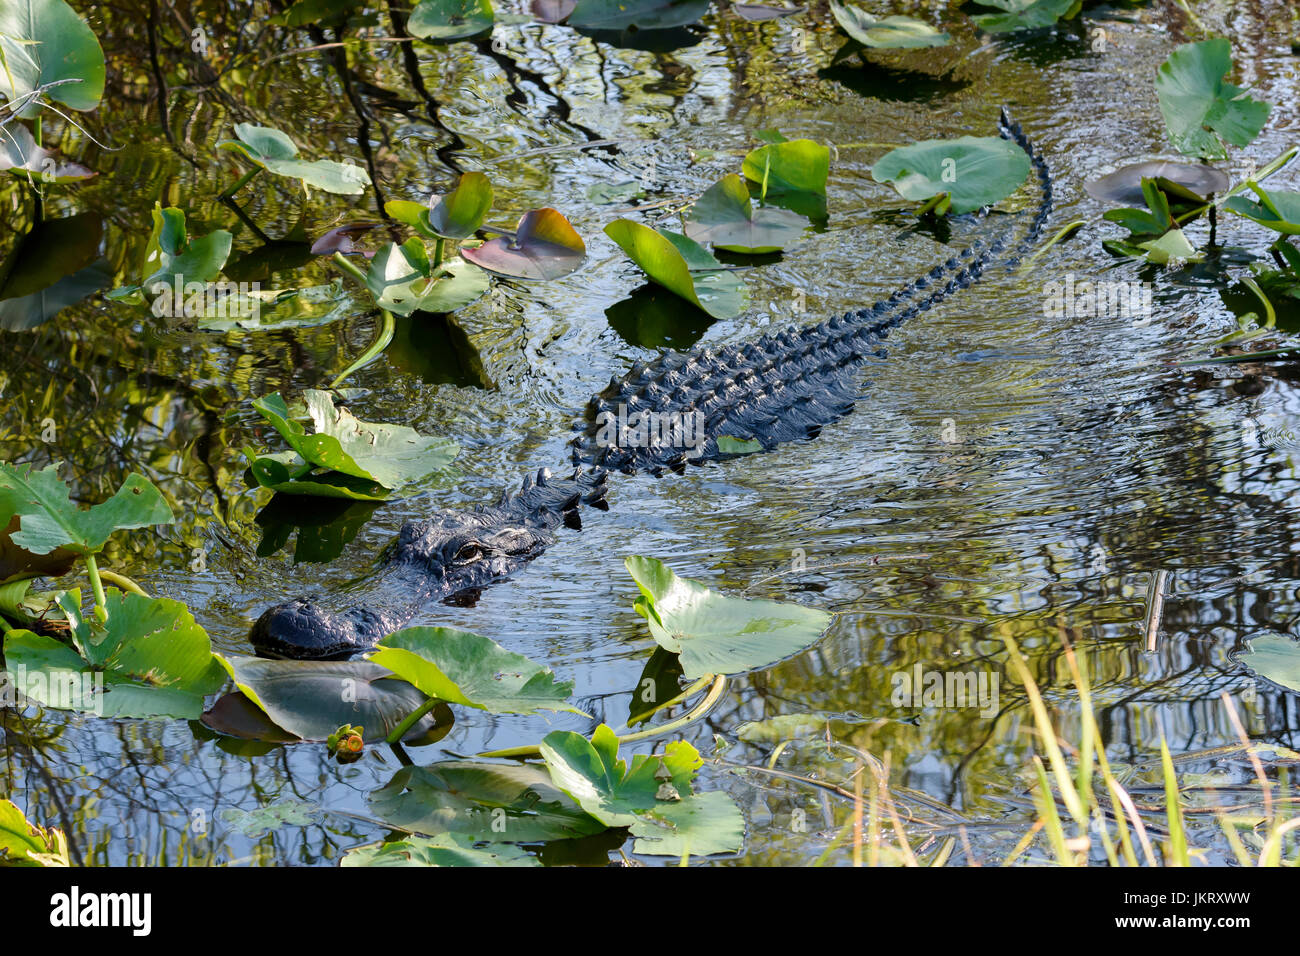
[{"x": 449, "y": 553}]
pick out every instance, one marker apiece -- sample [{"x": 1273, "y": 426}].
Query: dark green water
[{"x": 1006, "y": 473}]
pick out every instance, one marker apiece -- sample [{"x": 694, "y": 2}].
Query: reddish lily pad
[{"x": 545, "y": 246}]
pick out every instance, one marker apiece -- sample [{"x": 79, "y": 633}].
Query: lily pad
[
  {"x": 1172, "y": 246},
  {"x": 312, "y": 699},
  {"x": 789, "y": 166},
  {"x": 447, "y": 849},
  {"x": 887, "y": 33},
  {"x": 152, "y": 658},
  {"x": 55, "y": 265},
  {"x": 681, "y": 265},
  {"x": 971, "y": 171},
  {"x": 759, "y": 12},
  {"x": 1124, "y": 185},
  {"x": 447, "y": 20},
  {"x": 1274, "y": 657},
  {"x": 774, "y": 730},
  {"x": 23, "y": 843},
  {"x": 275, "y": 152},
  {"x": 464, "y": 668},
  {"x": 459, "y": 213},
  {"x": 170, "y": 255},
  {"x": 725, "y": 217},
  {"x": 1025, "y": 14},
  {"x": 544, "y": 246},
  {"x": 636, "y": 14},
  {"x": 262, "y": 820},
  {"x": 497, "y": 803},
  {"x": 341, "y": 238},
  {"x": 717, "y": 634},
  {"x": 44, "y": 42},
  {"x": 1200, "y": 106},
  {"x": 20, "y": 156},
  {"x": 705, "y": 824},
  {"x": 389, "y": 455},
  {"x": 403, "y": 281},
  {"x": 49, "y": 520},
  {"x": 1276, "y": 209}
]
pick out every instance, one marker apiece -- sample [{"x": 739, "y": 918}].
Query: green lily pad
[
  {"x": 725, "y": 217},
  {"x": 458, "y": 214},
  {"x": 1276, "y": 209},
  {"x": 273, "y": 816},
  {"x": 55, "y": 265},
  {"x": 790, "y": 166},
  {"x": 636, "y": 14},
  {"x": 152, "y": 658},
  {"x": 887, "y": 33},
  {"x": 1025, "y": 14},
  {"x": 447, "y": 849},
  {"x": 1200, "y": 106},
  {"x": 389, "y": 455},
  {"x": 403, "y": 281},
  {"x": 48, "y": 518},
  {"x": 447, "y": 20},
  {"x": 717, "y": 634},
  {"x": 497, "y": 803},
  {"x": 544, "y": 246},
  {"x": 275, "y": 152},
  {"x": 652, "y": 795},
  {"x": 972, "y": 171},
  {"x": 45, "y": 41},
  {"x": 1274, "y": 657},
  {"x": 23, "y": 843},
  {"x": 312, "y": 699},
  {"x": 681, "y": 265},
  {"x": 20, "y": 156},
  {"x": 464, "y": 668},
  {"x": 1172, "y": 246},
  {"x": 170, "y": 255},
  {"x": 774, "y": 730}
]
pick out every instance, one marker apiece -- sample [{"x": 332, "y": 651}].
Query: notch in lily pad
[
  {"x": 681, "y": 265},
  {"x": 726, "y": 217},
  {"x": 954, "y": 175},
  {"x": 1202, "y": 110},
  {"x": 543, "y": 246},
  {"x": 887, "y": 33},
  {"x": 343, "y": 457},
  {"x": 272, "y": 150},
  {"x": 715, "y": 633},
  {"x": 456, "y": 215}
]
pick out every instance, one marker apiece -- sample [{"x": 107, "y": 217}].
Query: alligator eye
[{"x": 469, "y": 552}]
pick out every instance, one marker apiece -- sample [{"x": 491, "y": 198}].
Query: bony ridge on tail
[{"x": 781, "y": 387}]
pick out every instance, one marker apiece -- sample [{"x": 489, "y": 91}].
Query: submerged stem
[
  {"x": 97, "y": 586},
  {"x": 383, "y": 336},
  {"x": 243, "y": 181},
  {"x": 397, "y": 733}
]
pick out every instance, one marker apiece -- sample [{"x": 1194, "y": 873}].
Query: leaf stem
[
  {"x": 397, "y": 733},
  {"x": 122, "y": 582},
  {"x": 383, "y": 336},
  {"x": 437, "y": 254},
  {"x": 341, "y": 261},
  {"x": 243, "y": 181},
  {"x": 97, "y": 586}
]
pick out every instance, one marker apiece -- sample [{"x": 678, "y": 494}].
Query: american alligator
[{"x": 779, "y": 388}]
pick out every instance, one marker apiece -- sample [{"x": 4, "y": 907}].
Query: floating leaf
[
  {"x": 458, "y": 214},
  {"x": 544, "y": 246},
  {"x": 1197, "y": 101},
  {"x": 789, "y": 166},
  {"x": 1025, "y": 14},
  {"x": 48, "y": 518},
  {"x": 636, "y": 14},
  {"x": 275, "y": 152},
  {"x": 725, "y": 217},
  {"x": 552, "y": 11},
  {"x": 402, "y": 280},
  {"x": 757, "y": 12},
  {"x": 489, "y": 802},
  {"x": 682, "y": 266},
  {"x": 20, "y": 155},
  {"x": 774, "y": 730},
  {"x": 1276, "y": 209},
  {"x": 23, "y": 843},
  {"x": 170, "y": 255},
  {"x": 448, "y": 849},
  {"x": 55, "y": 265},
  {"x": 464, "y": 668},
  {"x": 341, "y": 238},
  {"x": 887, "y": 33},
  {"x": 152, "y": 658},
  {"x": 714, "y": 633},
  {"x": 1124, "y": 185},
  {"x": 702, "y": 825},
  {"x": 973, "y": 171},
  {"x": 1274, "y": 657},
  {"x": 262, "y": 820},
  {"x": 44, "y": 42},
  {"x": 1172, "y": 246},
  {"x": 447, "y": 20},
  {"x": 388, "y": 455},
  {"x": 312, "y": 699}
]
